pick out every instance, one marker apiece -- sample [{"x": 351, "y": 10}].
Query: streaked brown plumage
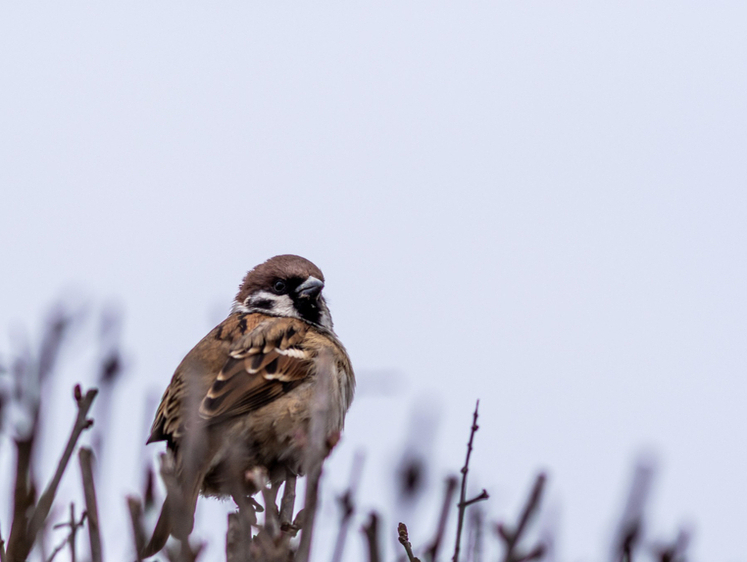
[{"x": 243, "y": 397}]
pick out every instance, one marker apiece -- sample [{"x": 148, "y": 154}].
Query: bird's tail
[
  {"x": 160, "y": 533},
  {"x": 176, "y": 518}
]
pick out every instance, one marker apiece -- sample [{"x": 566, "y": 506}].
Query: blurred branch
[
  {"x": 432, "y": 552},
  {"x": 631, "y": 521},
  {"x": 89, "y": 491},
  {"x": 475, "y": 533},
  {"x": 23, "y": 500},
  {"x": 511, "y": 538},
  {"x": 81, "y": 423},
  {"x": 404, "y": 540},
  {"x": 371, "y": 532},
  {"x": 347, "y": 504},
  {"x": 136, "y": 519},
  {"x": 23, "y": 535},
  {"x": 463, "y": 502},
  {"x": 675, "y": 551},
  {"x": 70, "y": 539},
  {"x": 288, "y": 503}
]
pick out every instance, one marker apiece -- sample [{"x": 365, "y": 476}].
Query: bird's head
[{"x": 286, "y": 285}]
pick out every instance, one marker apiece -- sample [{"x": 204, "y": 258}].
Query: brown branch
[
  {"x": 272, "y": 516},
  {"x": 23, "y": 500},
  {"x": 136, "y": 519},
  {"x": 511, "y": 538},
  {"x": 371, "y": 532},
  {"x": 81, "y": 424},
  {"x": 347, "y": 504},
  {"x": 451, "y": 484},
  {"x": 24, "y": 491},
  {"x": 631, "y": 523},
  {"x": 483, "y": 496},
  {"x": 94, "y": 535},
  {"x": 70, "y": 539},
  {"x": 463, "y": 493},
  {"x": 73, "y": 532},
  {"x": 404, "y": 540},
  {"x": 288, "y": 503}
]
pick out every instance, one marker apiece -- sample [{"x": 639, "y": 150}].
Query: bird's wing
[{"x": 264, "y": 364}]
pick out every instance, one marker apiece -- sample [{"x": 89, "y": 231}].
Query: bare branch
[
  {"x": 70, "y": 539},
  {"x": 463, "y": 493},
  {"x": 511, "y": 538},
  {"x": 136, "y": 519},
  {"x": 371, "y": 532},
  {"x": 94, "y": 535},
  {"x": 674, "y": 551},
  {"x": 631, "y": 522},
  {"x": 404, "y": 540},
  {"x": 451, "y": 484},
  {"x": 347, "y": 504},
  {"x": 45, "y": 501},
  {"x": 23, "y": 500},
  {"x": 483, "y": 496},
  {"x": 288, "y": 503}
]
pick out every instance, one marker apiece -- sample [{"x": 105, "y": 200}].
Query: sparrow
[{"x": 244, "y": 397}]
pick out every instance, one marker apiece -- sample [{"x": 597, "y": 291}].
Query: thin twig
[
  {"x": 288, "y": 503},
  {"x": 511, "y": 538},
  {"x": 347, "y": 503},
  {"x": 272, "y": 517},
  {"x": 451, "y": 485},
  {"x": 89, "y": 490},
  {"x": 629, "y": 530},
  {"x": 70, "y": 539},
  {"x": 483, "y": 496},
  {"x": 371, "y": 532},
  {"x": 463, "y": 492},
  {"x": 45, "y": 501},
  {"x": 404, "y": 540},
  {"x": 73, "y": 532}
]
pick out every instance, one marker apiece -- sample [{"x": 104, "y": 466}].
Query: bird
[{"x": 245, "y": 396}]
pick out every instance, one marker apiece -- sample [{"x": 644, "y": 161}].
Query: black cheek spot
[{"x": 263, "y": 303}]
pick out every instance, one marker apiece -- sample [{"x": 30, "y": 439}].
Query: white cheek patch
[{"x": 279, "y": 305}]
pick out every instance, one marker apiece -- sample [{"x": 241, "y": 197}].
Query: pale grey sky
[{"x": 539, "y": 204}]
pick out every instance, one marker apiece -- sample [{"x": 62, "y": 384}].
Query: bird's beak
[{"x": 310, "y": 288}]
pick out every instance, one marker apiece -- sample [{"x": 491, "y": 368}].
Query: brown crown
[{"x": 286, "y": 266}]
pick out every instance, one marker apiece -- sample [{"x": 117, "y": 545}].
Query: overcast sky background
[{"x": 538, "y": 204}]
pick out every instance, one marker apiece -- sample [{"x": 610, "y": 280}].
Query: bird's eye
[{"x": 279, "y": 286}]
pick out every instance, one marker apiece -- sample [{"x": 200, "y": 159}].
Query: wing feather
[{"x": 266, "y": 363}]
